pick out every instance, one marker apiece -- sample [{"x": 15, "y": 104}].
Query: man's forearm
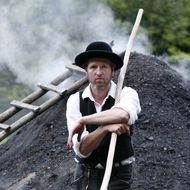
[
  {"x": 92, "y": 140},
  {"x": 111, "y": 116}
]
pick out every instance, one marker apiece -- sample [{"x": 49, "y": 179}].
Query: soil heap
[{"x": 36, "y": 157}]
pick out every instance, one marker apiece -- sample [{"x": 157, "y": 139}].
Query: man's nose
[{"x": 99, "y": 71}]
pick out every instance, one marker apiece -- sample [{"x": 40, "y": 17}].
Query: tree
[{"x": 167, "y": 22}]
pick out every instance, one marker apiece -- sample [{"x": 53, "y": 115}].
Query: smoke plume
[{"x": 39, "y": 37}]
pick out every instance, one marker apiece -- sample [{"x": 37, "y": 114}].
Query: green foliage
[
  {"x": 167, "y": 22},
  {"x": 10, "y": 89}
]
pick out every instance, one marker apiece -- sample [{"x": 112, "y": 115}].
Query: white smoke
[
  {"x": 183, "y": 68},
  {"x": 39, "y": 37}
]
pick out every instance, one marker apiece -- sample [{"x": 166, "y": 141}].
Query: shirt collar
[{"x": 87, "y": 92}]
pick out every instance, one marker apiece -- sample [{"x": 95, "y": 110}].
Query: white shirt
[{"x": 129, "y": 101}]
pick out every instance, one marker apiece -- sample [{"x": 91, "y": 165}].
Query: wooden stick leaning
[{"x": 121, "y": 77}]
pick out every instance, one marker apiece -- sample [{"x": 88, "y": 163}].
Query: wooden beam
[
  {"x": 52, "y": 88},
  {"x": 75, "y": 68},
  {"x": 4, "y": 126},
  {"x": 34, "y": 96},
  {"x": 28, "y": 117},
  {"x": 22, "y": 105}
]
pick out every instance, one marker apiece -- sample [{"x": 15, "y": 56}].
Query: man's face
[{"x": 99, "y": 71}]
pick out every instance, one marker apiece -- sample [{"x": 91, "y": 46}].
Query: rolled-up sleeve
[
  {"x": 129, "y": 101},
  {"x": 73, "y": 114},
  {"x": 76, "y": 145}
]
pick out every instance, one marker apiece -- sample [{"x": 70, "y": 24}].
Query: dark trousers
[{"x": 91, "y": 179}]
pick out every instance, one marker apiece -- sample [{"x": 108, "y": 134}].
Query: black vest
[{"x": 123, "y": 146}]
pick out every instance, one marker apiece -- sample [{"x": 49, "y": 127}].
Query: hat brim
[{"x": 82, "y": 58}]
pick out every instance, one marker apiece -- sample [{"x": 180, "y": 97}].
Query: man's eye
[
  {"x": 104, "y": 66},
  {"x": 93, "y": 67}
]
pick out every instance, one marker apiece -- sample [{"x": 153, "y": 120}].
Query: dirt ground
[{"x": 36, "y": 157}]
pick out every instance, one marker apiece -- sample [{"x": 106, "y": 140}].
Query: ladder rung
[
  {"x": 52, "y": 88},
  {"x": 75, "y": 68},
  {"x": 19, "y": 104},
  {"x": 4, "y": 127}
]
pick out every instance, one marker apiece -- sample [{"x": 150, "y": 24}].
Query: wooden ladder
[{"x": 26, "y": 103}]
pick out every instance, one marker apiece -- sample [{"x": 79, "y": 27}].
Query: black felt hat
[{"x": 98, "y": 49}]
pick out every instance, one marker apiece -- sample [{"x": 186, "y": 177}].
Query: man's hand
[
  {"x": 119, "y": 129},
  {"x": 77, "y": 129}
]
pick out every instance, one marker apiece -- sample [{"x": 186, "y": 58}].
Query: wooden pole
[{"x": 121, "y": 77}]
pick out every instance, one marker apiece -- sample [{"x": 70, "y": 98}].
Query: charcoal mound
[{"x": 36, "y": 157}]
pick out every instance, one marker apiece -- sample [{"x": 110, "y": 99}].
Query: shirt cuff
[{"x": 76, "y": 145}]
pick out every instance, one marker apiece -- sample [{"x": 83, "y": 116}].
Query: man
[{"x": 92, "y": 116}]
